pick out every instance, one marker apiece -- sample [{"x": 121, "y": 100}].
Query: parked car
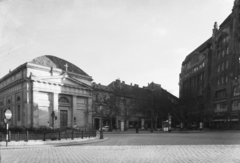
[
  {"x": 104, "y": 128},
  {"x": 193, "y": 127}
]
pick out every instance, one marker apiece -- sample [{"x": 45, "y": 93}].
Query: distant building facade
[
  {"x": 210, "y": 77},
  {"x": 47, "y": 92},
  {"x": 130, "y": 104}
]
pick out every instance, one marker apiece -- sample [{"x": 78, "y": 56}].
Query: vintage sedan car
[{"x": 104, "y": 128}]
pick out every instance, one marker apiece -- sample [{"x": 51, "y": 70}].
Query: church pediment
[{"x": 63, "y": 80}]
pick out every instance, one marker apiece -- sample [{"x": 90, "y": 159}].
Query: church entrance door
[{"x": 63, "y": 118}]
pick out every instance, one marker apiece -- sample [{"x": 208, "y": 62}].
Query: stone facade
[
  {"x": 40, "y": 93},
  {"x": 218, "y": 105}
]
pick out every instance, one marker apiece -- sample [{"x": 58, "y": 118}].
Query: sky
[{"x": 136, "y": 41}]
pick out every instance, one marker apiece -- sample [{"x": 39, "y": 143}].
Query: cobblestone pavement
[{"x": 126, "y": 154}]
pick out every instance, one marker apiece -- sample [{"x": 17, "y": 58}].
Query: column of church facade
[
  {"x": 27, "y": 109},
  {"x": 34, "y": 106},
  {"x": 56, "y": 110},
  {"x": 74, "y": 110},
  {"x": 89, "y": 111}
]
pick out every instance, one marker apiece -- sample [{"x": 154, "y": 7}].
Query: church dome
[{"x": 55, "y": 62}]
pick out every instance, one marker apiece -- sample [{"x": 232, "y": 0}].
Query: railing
[{"x": 47, "y": 135}]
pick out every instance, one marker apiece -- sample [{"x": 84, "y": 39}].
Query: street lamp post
[
  {"x": 101, "y": 131},
  {"x": 8, "y": 115},
  {"x": 152, "y": 109},
  {"x": 53, "y": 116},
  {"x": 169, "y": 122}
]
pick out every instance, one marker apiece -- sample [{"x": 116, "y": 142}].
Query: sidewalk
[{"x": 49, "y": 143}]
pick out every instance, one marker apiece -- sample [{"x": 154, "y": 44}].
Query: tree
[{"x": 127, "y": 103}]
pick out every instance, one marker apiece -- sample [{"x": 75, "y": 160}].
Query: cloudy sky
[{"x": 137, "y": 41}]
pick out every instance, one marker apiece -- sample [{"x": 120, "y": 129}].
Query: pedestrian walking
[{"x": 136, "y": 128}]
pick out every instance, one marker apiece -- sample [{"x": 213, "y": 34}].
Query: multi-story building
[
  {"x": 194, "y": 84},
  {"x": 210, "y": 77},
  {"x": 129, "y": 104}
]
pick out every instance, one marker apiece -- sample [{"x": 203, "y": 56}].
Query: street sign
[{"x": 8, "y": 114}]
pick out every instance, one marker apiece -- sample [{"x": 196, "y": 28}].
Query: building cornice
[
  {"x": 12, "y": 84},
  {"x": 56, "y": 70}
]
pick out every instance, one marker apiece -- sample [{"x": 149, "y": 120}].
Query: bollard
[
  {"x": 59, "y": 134},
  {"x": 43, "y": 135},
  {"x": 27, "y": 136},
  {"x": 6, "y": 134},
  {"x": 18, "y": 136},
  {"x": 72, "y": 134},
  {"x": 82, "y": 134},
  {"x": 136, "y": 130},
  {"x": 9, "y": 133}
]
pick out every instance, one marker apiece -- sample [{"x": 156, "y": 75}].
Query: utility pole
[{"x": 152, "y": 109}]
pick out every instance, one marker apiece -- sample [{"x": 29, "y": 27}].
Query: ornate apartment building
[{"x": 210, "y": 77}]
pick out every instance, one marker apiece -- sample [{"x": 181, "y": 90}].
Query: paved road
[
  {"x": 196, "y": 147},
  {"x": 197, "y": 138}
]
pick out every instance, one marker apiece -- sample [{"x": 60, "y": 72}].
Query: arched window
[{"x": 63, "y": 100}]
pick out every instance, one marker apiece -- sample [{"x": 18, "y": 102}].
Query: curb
[{"x": 155, "y": 132}]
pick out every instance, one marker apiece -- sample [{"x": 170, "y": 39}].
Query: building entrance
[
  {"x": 63, "y": 118},
  {"x": 97, "y": 123}
]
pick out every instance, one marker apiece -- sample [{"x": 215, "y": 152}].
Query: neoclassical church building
[{"x": 47, "y": 92}]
